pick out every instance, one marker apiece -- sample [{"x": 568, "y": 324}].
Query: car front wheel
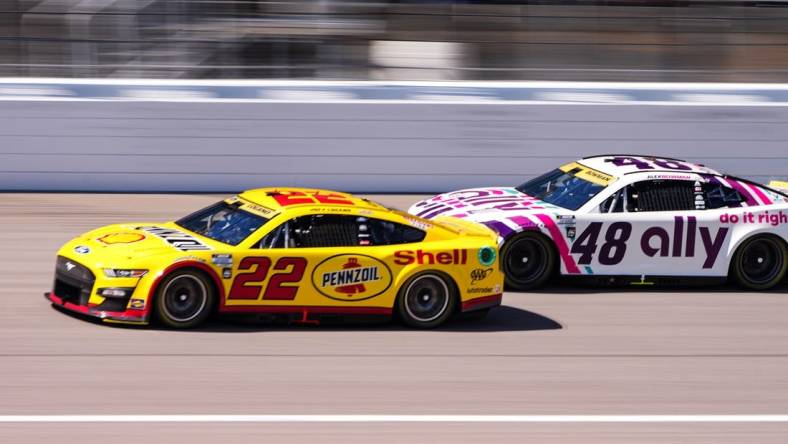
[
  {"x": 528, "y": 261},
  {"x": 184, "y": 299}
]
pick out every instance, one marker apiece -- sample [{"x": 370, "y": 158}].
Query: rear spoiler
[
  {"x": 779, "y": 185},
  {"x": 465, "y": 227}
]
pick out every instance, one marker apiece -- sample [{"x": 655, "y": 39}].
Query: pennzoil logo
[{"x": 351, "y": 277}]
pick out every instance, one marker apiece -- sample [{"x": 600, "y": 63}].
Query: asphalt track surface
[{"x": 564, "y": 350}]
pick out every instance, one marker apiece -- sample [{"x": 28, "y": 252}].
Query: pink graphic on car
[{"x": 473, "y": 200}]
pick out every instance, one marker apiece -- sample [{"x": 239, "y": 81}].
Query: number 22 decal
[
  {"x": 286, "y": 198},
  {"x": 247, "y": 286}
]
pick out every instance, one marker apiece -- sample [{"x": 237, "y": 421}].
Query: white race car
[{"x": 624, "y": 219}]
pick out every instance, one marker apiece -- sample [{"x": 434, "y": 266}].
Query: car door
[
  {"x": 652, "y": 227},
  {"x": 319, "y": 260}
]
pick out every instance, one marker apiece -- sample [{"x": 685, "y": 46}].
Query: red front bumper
[{"x": 128, "y": 316}]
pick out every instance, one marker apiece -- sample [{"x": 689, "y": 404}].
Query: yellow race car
[{"x": 287, "y": 251}]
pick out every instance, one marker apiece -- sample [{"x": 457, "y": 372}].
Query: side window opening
[
  {"x": 324, "y": 230},
  {"x": 383, "y": 232},
  {"x": 329, "y": 230},
  {"x": 279, "y": 238},
  {"x": 661, "y": 195},
  {"x": 720, "y": 196},
  {"x": 671, "y": 195},
  {"x": 314, "y": 231},
  {"x": 614, "y": 203}
]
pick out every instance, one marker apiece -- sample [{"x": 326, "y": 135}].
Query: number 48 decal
[
  {"x": 644, "y": 165},
  {"x": 247, "y": 286},
  {"x": 612, "y": 251}
]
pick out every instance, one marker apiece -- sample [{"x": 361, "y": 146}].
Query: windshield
[
  {"x": 563, "y": 189},
  {"x": 223, "y": 222}
]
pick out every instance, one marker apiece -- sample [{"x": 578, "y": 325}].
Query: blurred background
[
  {"x": 224, "y": 95},
  {"x": 618, "y": 40}
]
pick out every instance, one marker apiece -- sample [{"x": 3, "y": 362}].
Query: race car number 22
[
  {"x": 286, "y": 198},
  {"x": 248, "y": 285}
]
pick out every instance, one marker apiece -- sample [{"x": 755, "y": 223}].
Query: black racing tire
[
  {"x": 760, "y": 262},
  {"x": 426, "y": 300},
  {"x": 528, "y": 260},
  {"x": 184, "y": 299}
]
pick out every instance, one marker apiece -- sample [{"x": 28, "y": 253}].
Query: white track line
[
  {"x": 398, "y": 418},
  {"x": 396, "y": 102}
]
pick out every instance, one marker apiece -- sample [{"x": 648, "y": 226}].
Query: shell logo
[
  {"x": 121, "y": 238},
  {"x": 351, "y": 277}
]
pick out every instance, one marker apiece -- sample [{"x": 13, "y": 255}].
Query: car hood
[
  {"x": 480, "y": 204},
  {"x": 124, "y": 243},
  {"x": 505, "y": 210}
]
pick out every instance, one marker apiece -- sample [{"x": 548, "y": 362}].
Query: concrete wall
[{"x": 194, "y": 139}]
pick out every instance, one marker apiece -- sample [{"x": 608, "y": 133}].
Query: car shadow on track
[
  {"x": 499, "y": 319},
  {"x": 504, "y": 318}
]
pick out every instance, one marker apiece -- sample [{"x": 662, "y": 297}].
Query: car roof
[
  {"x": 604, "y": 164},
  {"x": 285, "y": 199}
]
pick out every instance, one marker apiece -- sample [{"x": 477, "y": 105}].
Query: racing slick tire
[
  {"x": 426, "y": 300},
  {"x": 184, "y": 299},
  {"x": 528, "y": 260},
  {"x": 760, "y": 262}
]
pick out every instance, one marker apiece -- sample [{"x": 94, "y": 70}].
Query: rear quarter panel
[
  {"x": 747, "y": 222},
  {"x": 460, "y": 259}
]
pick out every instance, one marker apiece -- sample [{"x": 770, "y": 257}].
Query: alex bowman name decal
[{"x": 177, "y": 239}]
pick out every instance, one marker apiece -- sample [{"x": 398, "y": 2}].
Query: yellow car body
[{"x": 295, "y": 262}]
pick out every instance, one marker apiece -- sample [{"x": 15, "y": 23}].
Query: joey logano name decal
[
  {"x": 176, "y": 238},
  {"x": 351, "y": 277},
  {"x": 654, "y": 241}
]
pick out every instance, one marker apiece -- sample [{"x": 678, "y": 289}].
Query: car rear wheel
[
  {"x": 184, "y": 299},
  {"x": 426, "y": 300},
  {"x": 760, "y": 263},
  {"x": 528, "y": 261}
]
